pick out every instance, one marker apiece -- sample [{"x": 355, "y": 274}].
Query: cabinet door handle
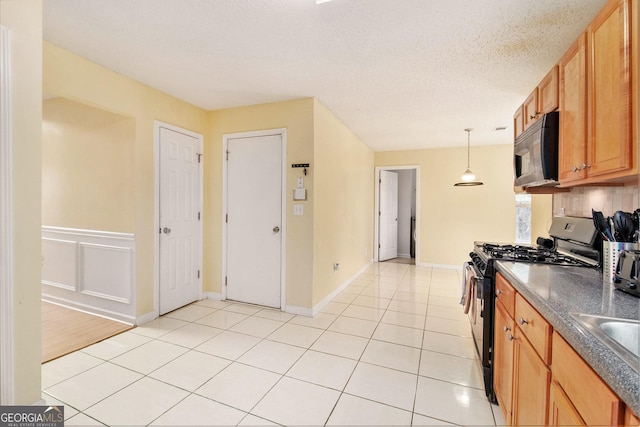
[
  {"x": 510, "y": 337},
  {"x": 585, "y": 166},
  {"x": 506, "y": 328},
  {"x": 498, "y": 292},
  {"x": 522, "y": 321},
  {"x": 576, "y": 169}
]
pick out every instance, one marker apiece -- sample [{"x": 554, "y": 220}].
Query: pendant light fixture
[{"x": 468, "y": 178}]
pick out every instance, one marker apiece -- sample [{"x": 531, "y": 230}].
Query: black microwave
[{"x": 536, "y": 153}]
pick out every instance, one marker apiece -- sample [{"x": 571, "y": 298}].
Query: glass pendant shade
[{"x": 468, "y": 178}]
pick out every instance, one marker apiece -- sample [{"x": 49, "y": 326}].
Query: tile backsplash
[{"x": 581, "y": 200}]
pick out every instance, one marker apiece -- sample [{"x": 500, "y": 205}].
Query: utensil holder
[{"x": 610, "y": 252}]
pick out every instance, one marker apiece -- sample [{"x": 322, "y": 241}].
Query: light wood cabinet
[
  {"x": 530, "y": 108},
  {"x": 518, "y": 122},
  {"x": 596, "y": 403},
  {"x": 609, "y": 100},
  {"x": 573, "y": 113},
  {"x": 561, "y": 410},
  {"x": 534, "y": 327},
  {"x": 543, "y": 99},
  {"x": 548, "y": 95},
  {"x": 503, "y": 359},
  {"x": 598, "y": 136},
  {"x": 531, "y": 379},
  {"x": 505, "y": 294},
  {"x": 631, "y": 419},
  {"x": 539, "y": 378}
]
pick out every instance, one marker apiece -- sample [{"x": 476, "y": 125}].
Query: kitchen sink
[{"x": 622, "y": 336}]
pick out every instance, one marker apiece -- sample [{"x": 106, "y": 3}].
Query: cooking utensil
[
  {"x": 601, "y": 224},
  {"x": 624, "y": 228},
  {"x": 635, "y": 216},
  {"x": 612, "y": 229}
]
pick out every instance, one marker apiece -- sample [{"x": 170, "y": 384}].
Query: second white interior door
[
  {"x": 254, "y": 221},
  {"x": 388, "y": 216}
]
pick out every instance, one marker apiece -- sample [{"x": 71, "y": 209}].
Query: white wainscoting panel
[
  {"x": 61, "y": 263},
  {"x": 90, "y": 270}
]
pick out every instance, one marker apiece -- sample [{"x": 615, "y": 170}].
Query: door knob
[
  {"x": 276, "y": 229},
  {"x": 166, "y": 230}
]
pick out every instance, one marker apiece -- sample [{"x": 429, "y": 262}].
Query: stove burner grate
[{"x": 525, "y": 253}]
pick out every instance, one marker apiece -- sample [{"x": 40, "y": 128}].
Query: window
[{"x": 523, "y": 218}]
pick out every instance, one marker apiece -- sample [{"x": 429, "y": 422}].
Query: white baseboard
[
  {"x": 302, "y": 311},
  {"x": 146, "y": 318},
  {"x": 326, "y": 300},
  {"x": 212, "y": 295},
  {"x": 96, "y": 311},
  {"x": 442, "y": 266}
]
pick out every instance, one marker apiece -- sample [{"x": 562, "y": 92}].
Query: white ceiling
[{"x": 401, "y": 74}]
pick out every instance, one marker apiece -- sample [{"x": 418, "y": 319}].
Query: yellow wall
[
  {"x": 452, "y": 218},
  {"x": 541, "y": 215},
  {"x": 24, "y": 20},
  {"x": 338, "y": 215},
  {"x": 87, "y": 167},
  {"x": 344, "y": 203},
  {"x": 72, "y": 77},
  {"x": 297, "y": 117}
]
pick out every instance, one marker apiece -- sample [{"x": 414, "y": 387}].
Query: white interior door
[
  {"x": 388, "y": 222},
  {"x": 254, "y": 220},
  {"x": 180, "y": 195}
]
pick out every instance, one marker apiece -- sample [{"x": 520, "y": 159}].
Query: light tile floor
[{"x": 393, "y": 348}]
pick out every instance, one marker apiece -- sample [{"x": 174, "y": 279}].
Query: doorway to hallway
[{"x": 405, "y": 206}]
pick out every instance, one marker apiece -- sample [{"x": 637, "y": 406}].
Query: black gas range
[{"x": 574, "y": 242}]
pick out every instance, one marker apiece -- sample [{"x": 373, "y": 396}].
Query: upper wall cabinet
[
  {"x": 518, "y": 122},
  {"x": 543, "y": 99},
  {"x": 573, "y": 112},
  {"x": 598, "y": 80},
  {"x": 548, "y": 92}
]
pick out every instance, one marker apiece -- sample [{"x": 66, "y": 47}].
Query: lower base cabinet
[
  {"x": 531, "y": 380},
  {"x": 561, "y": 410},
  {"x": 553, "y": 385},
  {"x": 503, "y": 359},
  {"x": 592, "y": 398},
  {"x": 631, "y": 419}
]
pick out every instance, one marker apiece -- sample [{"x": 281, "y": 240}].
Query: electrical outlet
[{"x": 298, "y": 209}]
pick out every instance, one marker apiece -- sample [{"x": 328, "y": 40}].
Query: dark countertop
[{"x": 556, "y": 291}]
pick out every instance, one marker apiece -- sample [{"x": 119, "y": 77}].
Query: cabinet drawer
[
  {"x": 534, "y": 327},
  {"x": 592, "y": 398},
  {"x": 505, "y": 294}
]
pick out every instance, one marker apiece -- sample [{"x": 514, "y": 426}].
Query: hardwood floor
[{"x": 65, "y": 330}]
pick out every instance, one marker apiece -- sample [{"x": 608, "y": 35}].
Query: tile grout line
[{"x": 307, "y": 349}]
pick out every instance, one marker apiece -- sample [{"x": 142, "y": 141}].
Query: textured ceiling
[{"x": 401, "y": 74}]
